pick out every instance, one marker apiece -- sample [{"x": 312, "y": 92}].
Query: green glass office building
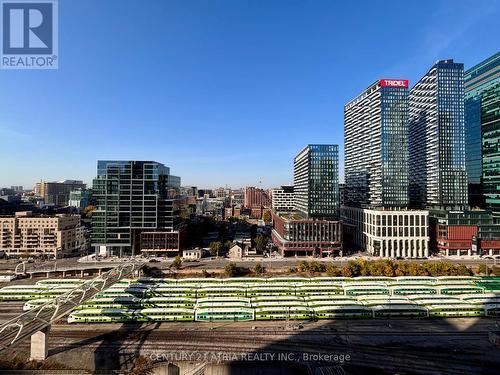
[
  {"x": 134, "y": 199},
  {"x": 482, "y": 123}
]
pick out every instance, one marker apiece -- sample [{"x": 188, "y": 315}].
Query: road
[{"x": 218, "y": 263}]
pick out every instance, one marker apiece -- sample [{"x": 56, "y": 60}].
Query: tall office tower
[
  {"x": 316, "y": 181},
  {"x": 376, "y": 198},
  {"x": 138, "y": 208},
  {"x": 313, "y": 228},
  {"x": 376, "y": 146},
  {"x": 438, "y": 176},
  {"x": 482, "y": 133}
]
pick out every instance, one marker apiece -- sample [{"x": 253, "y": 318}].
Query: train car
[
  {"x": 325, "y": 297},
  {"x": 453, "y": 289},
  {"x": 128, "y": 302},
  {"x": 481, "y": 299},
  {"x": 439, "y": 297},
  {"x": 366, "y": 290},
  {"x": 221, "y": 292},
  {"x": 386, "y": 301},
  {"x": 128, "y": 285},
  {"x": 224, "y": 314},
  {"x": 21, "y": 292},
  {"x": 34, "y": 303},
  {"x": 267, "y": 290},
  {"x": 124, "y": 291},
  {"x": 173, "y": 302},
  {"x": 489, "y": 285},
  {"x": 174, "y": 290},
  {"x": 127, "y": 282},
  {"x": 330, "y": 280},
  {"x": 436, "y": 302},
  {"x": 492, "y": 310},
  {"x": 223, "y": 302},
  {"x": 405, "y": 290},
  {"x": 287, "y": 280},
  {"x": 244, "y": 280},
  {"x": 407, "y": 310},
  {"x": 279, "y": 304},
  {"x": 283, "y": 313},
  {"x": 415, "y": 279},
  {"x": 156, "y": 281},
  {"x": 345, "y": 302},
  {"x": 456, "y": 279},
  {"x": 459, "y": 309},
  {"x": 279, "y": 298},
  {"x": 59, "y": 282},
  {"x": 342, "y": 312},
  {"x": 314, "y": 289},
  {"x": 102, "y": 316},
  {"x": 58, "y": 290},
  {"x": 199, "y": 281},
  {"x": 372, "y": 279},
  {"x": 165, "y": 315}
]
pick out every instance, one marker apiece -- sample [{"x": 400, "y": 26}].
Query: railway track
[{"x": 419, "y": 360}]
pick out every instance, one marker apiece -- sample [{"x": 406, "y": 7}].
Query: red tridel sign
[{"x": 393, "y": 83}]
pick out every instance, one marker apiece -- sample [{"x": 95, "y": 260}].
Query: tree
[
  {"x": 177, "y": 263},
  {"x": 230, "y": 270},
  {"x": 258, "y": 269},
  {"x": 267, "y": 216},
  {"x": 89, "y": 210},
  {"x": 316, "y": 266},
  {"x": 482, "y": 269},
  {"x": 332, "y": 270},
  {"x": 347, "y": 271},
  {"x": 304, "y": 266},
  {"x": 260, "y": 243},
  {"x": 215, "y": 247}
]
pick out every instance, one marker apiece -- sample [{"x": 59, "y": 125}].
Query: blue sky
[{"x": 223, "y": 92}]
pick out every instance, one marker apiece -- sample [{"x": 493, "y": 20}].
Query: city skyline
[{"x": 273, "y": 83}]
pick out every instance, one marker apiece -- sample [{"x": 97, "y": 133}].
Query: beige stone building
[{"x": 28, "y": 234}]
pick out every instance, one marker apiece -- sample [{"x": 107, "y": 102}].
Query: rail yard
[
  {"x": 254, "y": 299},
  {"x": 437, "y": 325}
]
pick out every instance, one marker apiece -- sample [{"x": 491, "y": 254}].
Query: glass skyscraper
[
  {"x": 438, "y": 175},
  {"x": 316, "y": 181},
  {"x": 482, "y": 122},
  {"x": 132, "y": 197},
  {"x": 376, "y": 146}
]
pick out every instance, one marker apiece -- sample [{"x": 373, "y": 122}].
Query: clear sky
[{"x": 223, "y": 92}]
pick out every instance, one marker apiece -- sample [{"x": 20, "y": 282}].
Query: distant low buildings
[
  {"x": 256, "y": 200},
  {"x": 80, "y": 198},
  {"x": 57, "y": 193},
  {"x": 193, "y": 254},
  {"x": 27, "y": 234}
]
